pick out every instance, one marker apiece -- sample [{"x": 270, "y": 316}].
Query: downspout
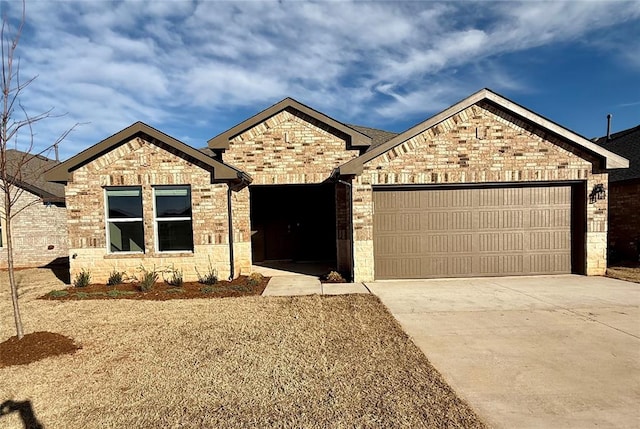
[
  {"x": 350, "y": 199},
  {"x": 230, "y": 218}
]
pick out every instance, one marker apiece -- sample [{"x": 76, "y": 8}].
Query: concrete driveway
[{"x": 530, "y": 352}]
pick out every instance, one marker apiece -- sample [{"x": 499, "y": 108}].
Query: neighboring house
[
  {"x": 485, "y": 187},
  {"x": 39, "y": 228},
  {"x": 624, "y": 196}
]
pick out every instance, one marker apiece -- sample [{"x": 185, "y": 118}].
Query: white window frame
[
  {"x": 157, "y": 219},
  {"x": 132, "y": 219}
]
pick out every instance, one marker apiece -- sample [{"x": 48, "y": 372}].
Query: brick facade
[
  {"x": 39, "y": 233},
  {"x": 624, "y": 220},
  {"x": 287, "y": 148},
  {"x": 143, "y": 163},
  {"x": 480, "y": 144}
]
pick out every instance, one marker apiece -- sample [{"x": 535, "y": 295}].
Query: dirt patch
[
  {"x": 240, "y": 286},
  {"x": 33, "y": 347},
  {"x": 629, "y": 272}
]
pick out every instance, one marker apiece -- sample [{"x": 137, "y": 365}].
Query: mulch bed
[
  {"x": 33, "y": 347},
  {"x": 240, "y": 286}
]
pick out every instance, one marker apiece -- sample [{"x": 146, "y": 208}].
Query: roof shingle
[
  {"x": 377, "y": 136},
  {"x": 28, "y": 171},
  {"x": 625, "y": 143}
]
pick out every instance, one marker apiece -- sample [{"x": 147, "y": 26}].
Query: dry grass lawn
[{"x": 286, "y": 362}]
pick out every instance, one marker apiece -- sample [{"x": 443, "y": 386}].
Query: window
[
  {"x": 125, "y": 231},
  {"x": 174, "y": 231}
]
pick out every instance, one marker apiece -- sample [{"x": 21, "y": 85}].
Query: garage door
[{"x": 472, "y": 232}]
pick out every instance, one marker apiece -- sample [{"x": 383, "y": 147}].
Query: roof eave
[
  {"x": 221, "y": 141},
  {"x": 609, "y": 160},
  {"x": 62, "y": 173}
]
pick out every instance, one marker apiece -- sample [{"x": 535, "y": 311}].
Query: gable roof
[
  {"x": 356, "y": 138},
  {"x": 608, "y": 159},
  {"x": 223, "y": 172},
  {"x": 27, "y": 172},
  {"x": 625, "y": 143}
]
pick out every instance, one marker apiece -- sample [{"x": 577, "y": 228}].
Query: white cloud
[{"x": 111, "y": 63}]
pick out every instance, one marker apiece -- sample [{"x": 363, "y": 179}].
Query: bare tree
[{"x": 13, "y": 163}]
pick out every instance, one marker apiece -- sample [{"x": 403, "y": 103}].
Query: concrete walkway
[
  {"x": 284, "y": 283},
  {"x": 530, "y": 352}
]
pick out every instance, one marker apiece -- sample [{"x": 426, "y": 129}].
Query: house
[
  {"x": 39, "y": 228},
  {"x": 624, "y": 196},
  {"x": 485, "y": 187}
]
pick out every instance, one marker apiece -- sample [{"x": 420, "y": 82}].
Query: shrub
[
  {"x": 58, "y": 293},
  {"x": 254, "y": 279},
  {"x": 175, "y": 277},
  {"x": 82, "y": 279},
  {"x": 210, "y": 277},
  {"x": 82, "y": 295},
  {"x": 115, "y": 278},
  {"x": 147, "y": 278},
  {"x": 335, "y": 277}
]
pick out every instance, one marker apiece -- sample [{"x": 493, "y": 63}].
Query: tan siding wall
[
  {"x": 141, "y": 163},
  {"x": 478, "y": 145},
  {"x": 35, "y": 228},
  {"x": 284, "y": 149}
]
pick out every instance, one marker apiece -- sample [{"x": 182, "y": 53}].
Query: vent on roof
[{"x": 609, "y": 126}]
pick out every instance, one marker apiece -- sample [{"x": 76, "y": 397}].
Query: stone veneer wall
[
  {"x": 36, "y": 228},
  {"x": 287, "y": 148},
  {"x": 481, "y": 144},
  {"x": 143, "y": 163},
  {"x": 624, "y": 220}
]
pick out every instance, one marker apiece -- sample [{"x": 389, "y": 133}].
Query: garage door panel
[
  {"x": 461, "y": 243},
  {"x": 492, "y": 265},
  {"x": 461, "y": 266},
  {"x": 435, "y": 244},
  {"x": 549, "y": 263},
  {"x": 434, "y": 221},
  {"x": 475, "y": 231}
]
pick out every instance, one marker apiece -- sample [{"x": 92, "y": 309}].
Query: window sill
[
  {"x": 174, "y": 253},
  {"x": 125, "y": 255},
  {"x": 149, "y": 255}
]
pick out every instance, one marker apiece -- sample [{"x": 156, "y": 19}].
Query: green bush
[
  {"x": 208, "y": 278},
  {"x": 82, "y": 279},
  {"x": 82, "y": 295},
  {"x": 175, "y": 277},
  {"x": 207, "y": 289},
  {"x": 58, "y": 293},
  {"x": 147, "y": 278},
  {"x": 115, "y": 278}
]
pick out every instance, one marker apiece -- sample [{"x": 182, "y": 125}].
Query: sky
[{"x": 194, "y": 69}]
